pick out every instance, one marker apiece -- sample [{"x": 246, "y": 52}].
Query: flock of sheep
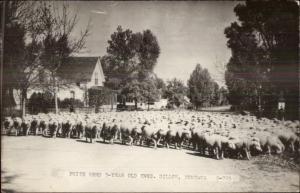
[{"x": 212, "y": 134}]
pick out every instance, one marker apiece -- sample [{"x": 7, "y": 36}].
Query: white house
[{"x": 79, "y": 74}]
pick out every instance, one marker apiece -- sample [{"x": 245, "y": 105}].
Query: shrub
[{"x": 68, "y": 102}]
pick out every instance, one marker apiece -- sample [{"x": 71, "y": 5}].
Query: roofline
[
  {"x": 101, "y": 69},
  {"x": 85, "y": 56}
]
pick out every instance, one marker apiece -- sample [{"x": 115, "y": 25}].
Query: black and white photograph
[{"x": 150, "y": 96}]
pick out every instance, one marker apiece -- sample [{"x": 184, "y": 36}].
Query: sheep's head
[
  {"x": 256, "y": 146},
  {"x": 231, "y": 145},
  {"x": 186, "y": 135},
  {"x": 278, "y": 148}
]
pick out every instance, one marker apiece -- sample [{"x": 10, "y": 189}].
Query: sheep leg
[
  {"x": 200, "y": 148},
  {"x": 247, "y": 154},
  {"x": 131, "y": 140},
  {"x": 190, "y": 142},
  {"x": 140, "y": 141},
  {"x": 38, "y": 132},
  {"x": 155, "y": 144},
  {"x": 292, "y": 147},
  {"x": 181, "y": 144},
  {"x": 123, "y": 141},
  {"x": 222, "y": 154},
  {"x": 54, "y": 133},
  {"x": 194, "y": 146},
  {"x": 268, "y": 150},
  {"x": 27, "y": 132},
  {"x": 210, "y": 151},
  {"x": 158, "y": 141},
  {"x": 239, "y": 154},
  {"x": 167, "y": 144},
  {"x": 121, "y": 137},
  {"x": 15, "y": 131},
  {"x": 216, "y": 153},
  {"x": 136, "y": 141}
]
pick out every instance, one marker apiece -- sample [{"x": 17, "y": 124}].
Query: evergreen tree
[
  {"x": 202, "y": 89},
  {"x": 264, "y": 61}
]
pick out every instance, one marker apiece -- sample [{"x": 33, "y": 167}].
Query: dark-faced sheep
[{"x": 148, "y": 134}]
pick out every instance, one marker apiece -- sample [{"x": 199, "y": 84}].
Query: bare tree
[
  {"x": 21, "y": 48},
  {"x": 58, "y": 42}
]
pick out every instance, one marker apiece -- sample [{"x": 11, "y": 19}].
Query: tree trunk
[
  {"x": 55, "y": 89},
  {"x": 135, "y": 104},
  {"x": 23, "y": 101},
  {"x": 111, "y": 102},
  {"x": 124, "y": 101},
  {"x": 55, "y": 99},
  {"x": 56, "y": 103},
  {"x": 24, "y": 107}
]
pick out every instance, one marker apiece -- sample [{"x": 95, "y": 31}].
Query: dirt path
[{"x": 45, "y": 164}]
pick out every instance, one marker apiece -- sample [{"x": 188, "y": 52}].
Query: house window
[
  {"x": 72, "y": 94},
  {"x": 96, "y": 78}
]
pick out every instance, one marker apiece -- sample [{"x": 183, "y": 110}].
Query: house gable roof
[
  {"x": 78, "y": 69},
  {"x": 101, "y": 70}
]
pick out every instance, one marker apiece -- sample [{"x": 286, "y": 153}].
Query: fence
[
  {"x": 11, "y": 112},
  {"x": 88, "y": 110},
  {"x": 8, "y": 112},
  {"x": 76, "y": 110},
  {"x": 106, "y": 108}
]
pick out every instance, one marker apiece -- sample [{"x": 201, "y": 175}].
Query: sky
[{"x": 188, "y": 32}]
